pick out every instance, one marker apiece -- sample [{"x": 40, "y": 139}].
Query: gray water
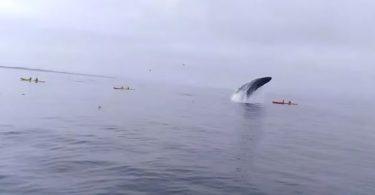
[{"x": 176, "y": 140}]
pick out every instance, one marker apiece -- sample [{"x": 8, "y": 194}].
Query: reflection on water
[
  {"x": 249, "y": 132},
  {"x": 251, "y": 111}
]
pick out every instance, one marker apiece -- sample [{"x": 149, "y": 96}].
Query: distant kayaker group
[
  {"x": 30, "y": 79},
  {"x": 36, "y": 80}
]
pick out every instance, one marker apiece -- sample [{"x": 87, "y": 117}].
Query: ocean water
[{"x": 176, "y": 140}]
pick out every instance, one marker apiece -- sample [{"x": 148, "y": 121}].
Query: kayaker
[{"x": 36, "y": 80}]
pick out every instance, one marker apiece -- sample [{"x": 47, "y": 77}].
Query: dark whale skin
[{"x": 254, "y": 85}]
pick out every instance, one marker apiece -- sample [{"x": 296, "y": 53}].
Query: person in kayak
[
  {"x": 24, "y": 79},
  {"x": 122, "y": 87}
]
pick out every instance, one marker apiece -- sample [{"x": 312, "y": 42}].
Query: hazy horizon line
[{"x": 54, "y": 71}]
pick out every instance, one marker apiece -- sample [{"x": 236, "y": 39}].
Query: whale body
[
  {"x": 249, "y": 88},
  {"x": 252, "y": 86}
]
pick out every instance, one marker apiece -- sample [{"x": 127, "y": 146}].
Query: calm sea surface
[{"x": 176, "y": 140}]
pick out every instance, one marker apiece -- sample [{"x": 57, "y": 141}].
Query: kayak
[
  {"x": 30, "y": 80},
  {"x": 284, "y": 103},
  {"x": 123, "y": 88},
  {"x": 23, "y": 79}
]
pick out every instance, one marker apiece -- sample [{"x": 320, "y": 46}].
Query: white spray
[{"x": 241, "y": 97}]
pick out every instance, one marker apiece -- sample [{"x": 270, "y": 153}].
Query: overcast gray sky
[{"x": 301, "y": 43}]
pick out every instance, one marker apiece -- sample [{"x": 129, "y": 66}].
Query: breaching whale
[
  {"x": 246, "y": 90},
  {"x": 252, "y": 86}
]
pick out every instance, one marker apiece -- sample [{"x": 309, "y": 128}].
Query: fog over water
[{"x": 326, "y": 46}]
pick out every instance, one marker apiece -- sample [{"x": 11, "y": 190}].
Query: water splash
[{"x": 241, "y": 97}]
